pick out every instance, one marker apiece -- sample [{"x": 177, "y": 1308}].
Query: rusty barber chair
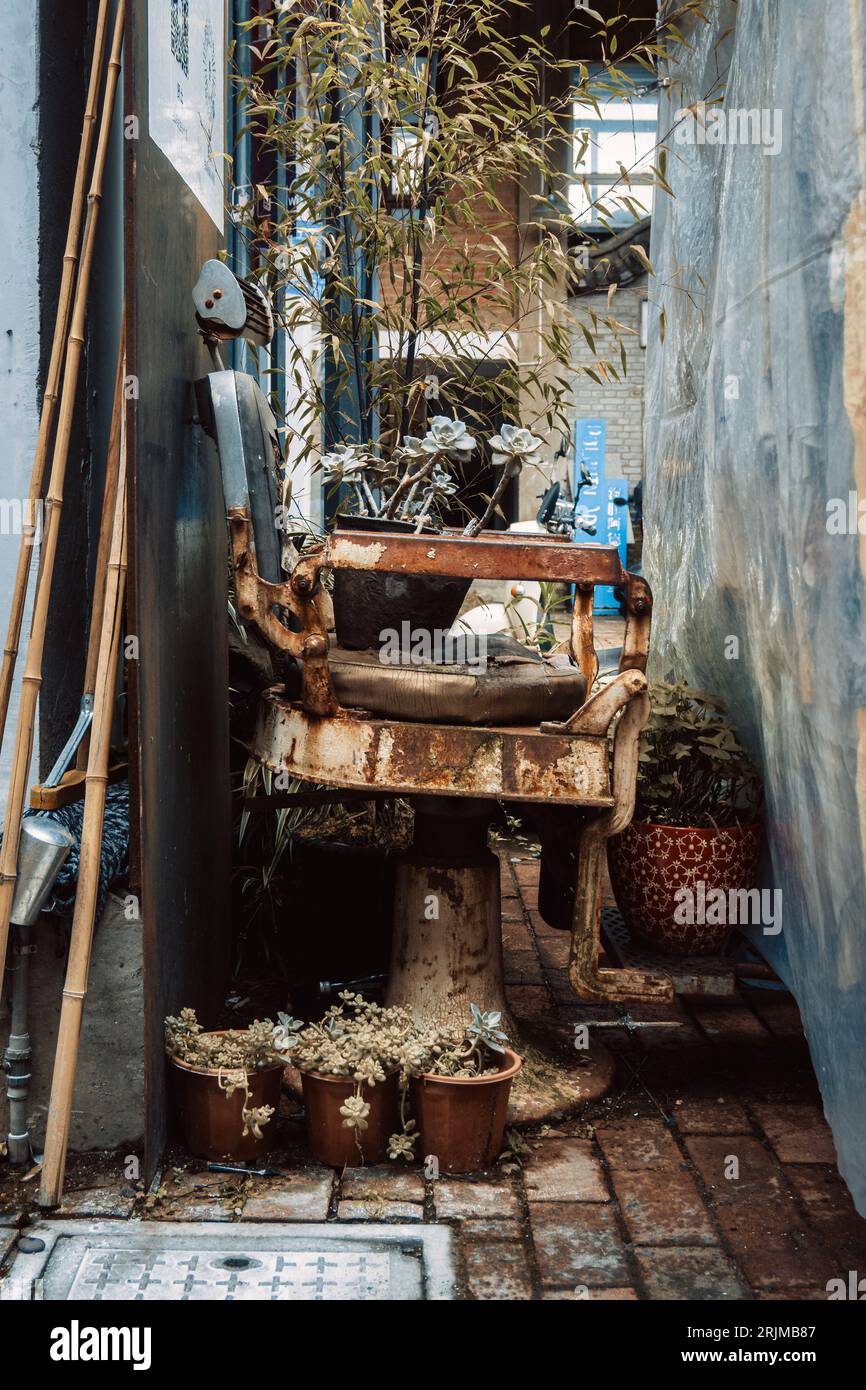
[
  {"x": 453, "y": 740},
  {"x": 551, "y": 748}
]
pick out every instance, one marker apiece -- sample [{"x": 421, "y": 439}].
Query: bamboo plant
[{"x": 417, "y": 208}]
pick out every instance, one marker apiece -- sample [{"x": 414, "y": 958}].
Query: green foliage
[
  {"x": 693, "y": 770},
  {"x": 469, "y": 106}
]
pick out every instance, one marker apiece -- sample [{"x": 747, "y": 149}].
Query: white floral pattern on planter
[{"x": 649, "y": 863}]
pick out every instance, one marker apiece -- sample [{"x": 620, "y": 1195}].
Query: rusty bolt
[
  {"x": 217, "y": 294},
  {"x": 302, "y": 583},
  {"x": 314, "y": 647},
  {"x": 208, "y": 304}
]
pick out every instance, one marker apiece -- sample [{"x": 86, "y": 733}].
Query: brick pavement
[{"x": 708, "y": 1171}]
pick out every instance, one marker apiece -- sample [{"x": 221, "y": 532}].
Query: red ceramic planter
[{"x": 649, "y": 863}]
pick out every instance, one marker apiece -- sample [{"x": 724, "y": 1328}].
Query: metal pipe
[
  {"x": 44, "y": 849},
  {"x": 16, "y": 1058}
]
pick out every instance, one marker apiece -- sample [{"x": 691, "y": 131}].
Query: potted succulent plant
[
  {"x": 226, "y": 1085},
  {"x": 460, "y": 1095},
  {"x": 354, "y": 1067},
  {"x": 695, "y": 838},
  {"x": 406, "y": 493},
  {"x": 362, "y": 1064}
]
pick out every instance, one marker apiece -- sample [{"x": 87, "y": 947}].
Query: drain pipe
[
  {"x": 16, "y": 1058},
  {"x": 44, "y": 847}
]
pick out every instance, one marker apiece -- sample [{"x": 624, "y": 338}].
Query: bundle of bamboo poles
[
  {"x": 84, "y": 918},
  {"x": 109, "y": 586},
  {"x": 69, "y": 341}
]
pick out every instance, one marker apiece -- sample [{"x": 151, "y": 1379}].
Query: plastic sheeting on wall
[{"x": 756, "y": 441}]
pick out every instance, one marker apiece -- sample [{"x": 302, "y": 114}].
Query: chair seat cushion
[{"x": 511, "y": 686}]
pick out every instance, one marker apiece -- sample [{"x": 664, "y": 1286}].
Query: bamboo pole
[
  {"x": 55, "y": 366},
  {"x": 81, "y": 941},
  {"x": 32, "y": 678},
  {"x": 104, "y": 546}
]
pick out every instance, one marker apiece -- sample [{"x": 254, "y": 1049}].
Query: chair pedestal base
[
  {"x": 447, "y": 954},
  {"x": 447, "y": 944}
]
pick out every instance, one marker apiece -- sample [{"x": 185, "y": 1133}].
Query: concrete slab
[{"x": 195, "y": 1261}]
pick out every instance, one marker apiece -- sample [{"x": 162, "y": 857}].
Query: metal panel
[
  {"x": 489, "y": 556},
  {"x": 178, "y": 599},
  {"x": 511, "y": 764}
]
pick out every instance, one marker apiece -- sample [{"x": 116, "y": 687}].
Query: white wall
[{"x": 19, "y": 303}]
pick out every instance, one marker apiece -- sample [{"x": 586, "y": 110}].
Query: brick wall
[{"x": 621, "y": 404}]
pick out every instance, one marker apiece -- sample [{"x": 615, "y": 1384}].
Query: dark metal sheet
[{"x": 178, "y": 600}]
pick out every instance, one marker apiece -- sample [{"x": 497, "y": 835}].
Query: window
[{"x": 620, "y": 135}]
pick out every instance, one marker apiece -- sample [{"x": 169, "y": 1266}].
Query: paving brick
[
  {"x": 195, "y": 1197},
  {"x": 565, "y": 1170},
  {"x": 803, "y": 1263},
  {"x": 456, "y": 1200},
  {"x": 758, "y": 1218},
  {"x": 723, "y": 1115},
  {"x": 381, "y": 1183},
  {"x": 689, "y": 1275},
  {"x": 487, "y": 1228},
  {"x": 497, "y": 1270},
  {"x": 778, "y": 1011},
  {"x": 831, "y": 1211},
  {"x": 663, "y": 1208},
  {"x": 301, "y": 1196},
  {"x": 754, "y": 1209},
  {"x": 527, "y": 872},
  {"x": 114, "y": 1202},
  {"x": 635, "y": 1143},
  {"x": 379, "y": 1210},
  {"x": 528, "y": 1001},
  {"x": 728, "y": 1022},
  {"x": 591, "y": 1295},
  {"x": 798, "y": 1133},
  {"x": 522, "y": 968},
  {"x": 578, "y": 1243},
  {"x": 554, "y": 951},
  {"x": 512, "y": 912},
  {"x": 791, "y": 1295}
]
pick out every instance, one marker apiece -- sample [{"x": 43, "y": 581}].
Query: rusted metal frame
[
  {"x": 302, "y": 596},
  {"x": 582, "y": 643},
  {"x": 639, "y": 607},
  {"x": 339, "y": 796},
  {"x": 595, "y": 717},
  {"x": 588, "y": 979},
  {"x": 443, "y": 760},
  {"x": 477, "y": 557}
]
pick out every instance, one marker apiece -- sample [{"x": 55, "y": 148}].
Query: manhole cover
[{"x": 143, "y": 1261}]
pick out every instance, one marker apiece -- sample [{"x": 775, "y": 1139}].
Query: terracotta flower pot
[
  {"x": 212, "y": 1122},
  {"x": 330, "y": 1141},
  {"x": 462, "y": 1119},
  {"x": 650, "y": 863}
]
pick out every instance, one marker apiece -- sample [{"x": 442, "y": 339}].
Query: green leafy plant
[
  {"x": 421, "y": 205},
  {"x": 692, "y": 768}
]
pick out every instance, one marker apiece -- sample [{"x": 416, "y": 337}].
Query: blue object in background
[{"x": 611, "y": 522}]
